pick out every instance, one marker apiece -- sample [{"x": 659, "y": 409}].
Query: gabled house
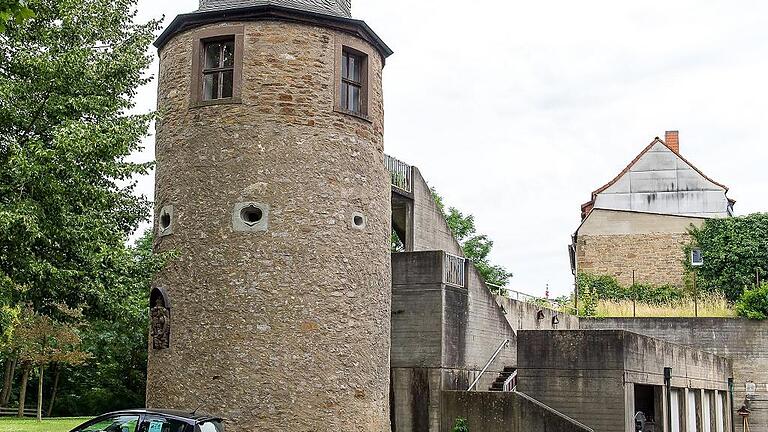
[{"x": 639, "y": 221}]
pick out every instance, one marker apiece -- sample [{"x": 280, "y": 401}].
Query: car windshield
[
  {"x": 209, "y": 426},
  {"x": 120, "y": 423}
]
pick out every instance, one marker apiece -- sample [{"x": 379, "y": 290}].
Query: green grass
[{"x": 10, "y": 424}]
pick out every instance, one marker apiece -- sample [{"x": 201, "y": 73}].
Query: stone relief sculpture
[{"x": 160, "y": 324}]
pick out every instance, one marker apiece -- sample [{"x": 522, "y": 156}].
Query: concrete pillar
[{"x": 629, "y": 407}]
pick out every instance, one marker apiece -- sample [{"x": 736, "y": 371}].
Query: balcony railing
[
  {"x": 400, "y": 173},
  {"x": 453, "y": 271}
]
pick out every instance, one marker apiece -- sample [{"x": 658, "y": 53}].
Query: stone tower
[{"x": 272, "y": 191}]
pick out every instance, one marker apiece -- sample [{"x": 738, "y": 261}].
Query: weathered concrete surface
[
  {"x": 744, "y": 342},
  {"x": 589, "y": 375},
  {"x": 525, "y": 316},
  {"x": 503, "y": 412},
  {"x": 288, "y": 327},
  {"x": 430, "y": 231},
  {"x": 617, "y": 242},
  {"x": 660, "y": 181},
  {"x": 442, "y": 336}
]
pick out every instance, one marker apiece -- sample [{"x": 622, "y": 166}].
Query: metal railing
[
  {"x": 453, "y": 270},
  {"x": 400, "y": 173},
  {"x": 487, "y": 365},
  {"x": 511, "y": 383}
]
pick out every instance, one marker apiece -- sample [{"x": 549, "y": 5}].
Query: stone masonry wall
[
  {"x": 289, "y": 328},
  {"x": 656, "y": 258}
]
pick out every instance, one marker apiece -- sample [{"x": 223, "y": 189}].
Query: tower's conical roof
[{"x": 340, "y": 8}]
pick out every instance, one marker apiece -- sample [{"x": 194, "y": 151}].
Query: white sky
[{"x": 515, "y": 111}]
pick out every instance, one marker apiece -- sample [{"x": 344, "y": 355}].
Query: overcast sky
[{"x": 515, "y": 111}]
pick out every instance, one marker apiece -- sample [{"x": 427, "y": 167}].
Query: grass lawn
[{"x": 10, "y": 424}]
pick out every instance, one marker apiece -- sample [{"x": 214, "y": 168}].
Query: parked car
[{"x": 148, "y": 420}]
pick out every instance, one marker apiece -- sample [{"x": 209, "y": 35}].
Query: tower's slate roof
[{"x": 338, "y": 8}]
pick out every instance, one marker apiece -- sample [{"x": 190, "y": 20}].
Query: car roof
[{"x": 178, "y": 414}]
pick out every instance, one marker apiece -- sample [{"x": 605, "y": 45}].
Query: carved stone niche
[{"x": 160, "y": 319}]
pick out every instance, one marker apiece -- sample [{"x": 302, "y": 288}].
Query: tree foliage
[
  {"x": 67, "y": 81},
  {"x": 68, "y": 78},
  {"x": 15, "y": 11},
  {"x": 735, "y": 252},
  {"x": 753, "y": 303},
  {"x": 476, "y": 247}
]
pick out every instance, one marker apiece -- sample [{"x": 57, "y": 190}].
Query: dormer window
[{"x": 218, "y": 69}]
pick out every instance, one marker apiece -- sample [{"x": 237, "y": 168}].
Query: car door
[
  {"x": 157, "y": 423},
  {"x": 114, "y": 423}
]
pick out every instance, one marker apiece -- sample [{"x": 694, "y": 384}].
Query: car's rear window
[{"x": 209, "y": 426}]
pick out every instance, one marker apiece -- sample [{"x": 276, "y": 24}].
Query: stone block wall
[
  {"x": 288, "y": 326},
  {"x": 657, "y": 258}
]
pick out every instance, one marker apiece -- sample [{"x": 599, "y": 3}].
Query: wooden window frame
[
  {"x": 357, "y": 48},
  {"x": 200, "y": 39}
]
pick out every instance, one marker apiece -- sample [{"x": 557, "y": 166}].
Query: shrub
[
  {"x": 460, "y": 426},
  {"x": 753, "y": 303}
]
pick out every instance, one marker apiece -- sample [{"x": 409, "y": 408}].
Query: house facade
[{"x": 636, "y": 225}]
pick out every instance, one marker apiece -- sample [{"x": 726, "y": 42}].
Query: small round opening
[
  {"x": 251, "y": 215},
  {"x": 165, "y": 221},
  {"x": 358, "y": 220}
]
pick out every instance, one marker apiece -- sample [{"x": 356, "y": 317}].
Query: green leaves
[
  {"x": 735, "y": 252},
  {"x": 67, "y": 205},
  {"x": 753, "y": 303},
  {"x": 476, "y": 247},
  {"x": 15, "y": 11}
]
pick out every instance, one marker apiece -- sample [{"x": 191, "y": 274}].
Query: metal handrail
[
  {"x": 453, "y": 270},
  {"x": 400, "y": 173},
  {"x": 487, "y": 365},
  {"x": 511, "y": 383}
]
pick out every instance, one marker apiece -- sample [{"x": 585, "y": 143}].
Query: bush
[
  {"x": 753, "y": 303},
  {"x": 735, "y": 253},
  {"x": 460, "y": 426}
]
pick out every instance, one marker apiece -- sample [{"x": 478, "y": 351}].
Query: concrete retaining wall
[
  {"x": 503, "y": 412},
  {"x": 744, "y": 342},
  {"x": 589, "y": 375}
]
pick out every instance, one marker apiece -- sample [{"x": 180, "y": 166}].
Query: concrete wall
[
  {"x": 744, "y": 342},
  {"x": 503, "y": 412},
  {"x": 442, "y": 336},
  {"x": 660, "y": 181},
  {"x": 585, "y": 374},
  {"x": 430, "y": 231},
  {"x": 524, "y": 316}
]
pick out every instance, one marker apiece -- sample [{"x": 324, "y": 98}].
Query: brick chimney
[{"x": 672, "y": 140}]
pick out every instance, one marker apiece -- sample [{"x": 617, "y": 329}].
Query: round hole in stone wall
[
  {"x": 358, "y": 220},
  {"x": 165, "y": 221},
  {"x": 251, "y": 215}
]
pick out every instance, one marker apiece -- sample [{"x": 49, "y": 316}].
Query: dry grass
[{"x": 709, "y": 305}]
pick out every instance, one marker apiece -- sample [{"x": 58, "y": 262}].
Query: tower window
[
  {"x": 218, "y": 69},
  {"x": 351, "y": 81},
  {"x": 217, "y": 66}
]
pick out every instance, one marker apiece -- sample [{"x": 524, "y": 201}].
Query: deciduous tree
[{"x": 68, "y": 78}]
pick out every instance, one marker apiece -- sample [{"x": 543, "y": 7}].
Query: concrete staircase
[{"x": 503, "y": 378}]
